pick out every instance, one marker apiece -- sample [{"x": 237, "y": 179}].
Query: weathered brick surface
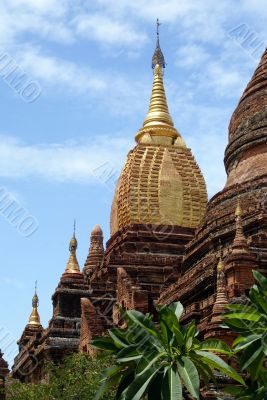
[
  {"x": 3, "y": 374},
  {"x": 246, "y": 163},
  {"x": 147, "y": 262}
]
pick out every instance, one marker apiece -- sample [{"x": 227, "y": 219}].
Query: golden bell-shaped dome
[{"x": 161, "y": 182}]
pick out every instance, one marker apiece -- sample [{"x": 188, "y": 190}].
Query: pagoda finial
[
  {"x": 238, "y": 210},
  {"x": 72, "y": 264},
  {"x": 158, "y": 121},
  {"x": 34, "y": 319},
  {"x": 158, "y": 57},
  {"x": 221, "y": 296},
  {"x": 96, "y": 251},
  {"x": 240, "y": 243},
  {"x": 220, "y": 266},
  {"x": 158, "y": 24}
]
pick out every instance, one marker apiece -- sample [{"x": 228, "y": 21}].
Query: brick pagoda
[{"x": 167, "y": 242}]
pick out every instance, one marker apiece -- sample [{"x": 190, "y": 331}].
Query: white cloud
[
  {"x": 100, "y": 162},
  {"x": 61, "y": 162},
  {"x": 129, "y": 95},
  {"x": 46, "y": 19},
  {"x": 191, "y": 55},
  {"x": 217, "y": 66},
  {"x": 106, "y": 30},
  {"x": 55, "y": 71},
  {"x": 56, "y": 7},
  {"x": 196, "y": 19},
  {"x": 224, "y": 81}
]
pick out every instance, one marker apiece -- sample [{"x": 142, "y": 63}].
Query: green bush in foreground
[
  {"x": 162, "y": 364},
  {"x": 250, "y": 322},
  {"x": 77, "y": 378}
]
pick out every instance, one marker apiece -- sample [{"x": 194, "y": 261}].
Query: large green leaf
[
  {"x": 143, "y": 322},
  {"x": 249, "y": 316},
  {"x": 216, "y": 362},
  {"x": 204, "y": 370},
  {"x": 147, "y": 361},
  {"x": 166, "y": 332},
  {"x": 256, "y": 367},
  {"x": 119, "y": 343},
  {"x": 261, "y": 279},
  {"x": 111, "y": 371},
  {"x": 172, "y": 386},
  {"x": 190, "y": 334},
  {"x": 238, "y": 325},
  {"x": 128, "y": 354},
  {"x": 189, "y": 375},
  {"x": 104, "y": 343},
  {"x": 249, "y": 307},
  {"x": 242, "y": 342},
  {"x": 177, "y": 308},
  {"x": 250, "y": 354},
  {"x": 259, "y": 299},
  {"x": 216, "y": 346},
  {"x": 171, "y": 321},
  {"x": 154, "y": 390},
  {"x": 179, "y": 336},
  {"x": 264, "y": 343},
  {"x": 109, "y": 377},
  {"x": 235, "y": 391},
  {"x": 140, "y": 384},
  {"x": 126, "y": 380}
]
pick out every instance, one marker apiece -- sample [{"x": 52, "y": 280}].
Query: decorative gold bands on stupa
[{"x": 159, "y": 185}]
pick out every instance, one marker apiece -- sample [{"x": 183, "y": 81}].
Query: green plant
[
  {"x": 162, "y": 364},
  {"x": 76, "y": 378},
  {"x": 250, "y": 322}
]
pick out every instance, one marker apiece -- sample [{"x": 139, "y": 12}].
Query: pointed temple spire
[
  {"x": 158, "y": 57},
  {"x": 96, "y": 251},
  {"x": 221, "y": 297},
  {"x": 73, "y": 265},
  {"x": 34, "y": 319},
  {"x": 240, "y": 243},
  {"x": 158, "y": 121}
]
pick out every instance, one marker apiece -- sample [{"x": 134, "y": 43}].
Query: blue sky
[{"x": 60, "y": 154}]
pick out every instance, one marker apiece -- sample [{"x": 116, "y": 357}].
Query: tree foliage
[
  {"x": 250, "y": 322},
  {"x": 77, "y": 378},
  {"x": 161, "y": 363}
]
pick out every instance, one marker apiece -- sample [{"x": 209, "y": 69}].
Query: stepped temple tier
[
  {"x": 167, "y": 242},
  {"x": 62, "y": 336},
  {"x": 159, "y": 201}
]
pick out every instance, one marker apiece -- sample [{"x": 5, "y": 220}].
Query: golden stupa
[
  {"x": 161, "y": 182},
  {"x": 72, "y": 266},
  {"x": 34, "y": 319}
]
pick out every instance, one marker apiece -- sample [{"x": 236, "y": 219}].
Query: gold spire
[
  {"x": 34, "y": 319},
  {"x": 73, "y": 265},
  {"x": 158, "y": 57},
  {"x": 240, "y": 244},
  {"x": 158, "y": 121},
  {"x": 221, "y": 296},
  {"x": 220, "y": 266},
  {"x": 238, "y": 210}
]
